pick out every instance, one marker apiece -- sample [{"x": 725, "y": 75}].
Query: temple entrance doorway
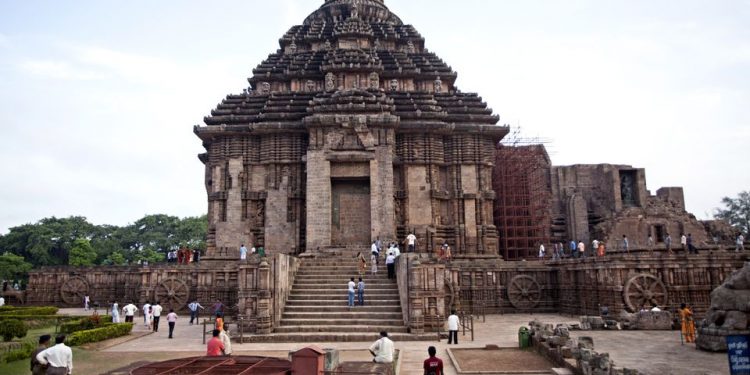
[{"x": 350, "y": 212}]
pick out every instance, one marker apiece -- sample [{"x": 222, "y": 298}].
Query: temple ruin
[{"x": 354, "y": 131}]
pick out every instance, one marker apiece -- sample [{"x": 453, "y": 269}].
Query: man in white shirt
[
  {"x": 2, "y": 301},
  {"x": 350, "y": 285},
  {"x": 193, "y": 307},
  {"x": 453, "y": 328},
  {"x": 382, "y": 349},
  {"x": 683, "y": 242},
  {"x": 390, "y": 263},
  {"x": 541, "y": 251},
  {"x": 243, "y": 252},
  {"x": 129, "y": 311},
  {"x": 59, "y": 358},
  {"x": 146, "y": 307},
  {"x": 655, "y": 309},
  {"x": 411, "y": 242},
  {"x": 740, "y": 244},
  {"x": 582, "y": 249},
  {"x": 156, "y": 311}
]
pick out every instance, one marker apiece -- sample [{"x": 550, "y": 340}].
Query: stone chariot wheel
[
  {"x": 644, "y": 289},
  {"x": 524, "y": 292},
  {"x": 172, "y": 293},
  {"x": 73, "y": 290}
]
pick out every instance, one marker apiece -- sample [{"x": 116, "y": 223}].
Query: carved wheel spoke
[
  {"x": 73, "y": 290},
  {"x": 643, "y": 289},
  {"x": 172, "y": 293},
  {"x": 524, "y": 292}
]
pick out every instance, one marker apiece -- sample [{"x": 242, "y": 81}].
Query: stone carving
[
  {"x": 172, "y": 293},
  {"x": 394, "y": 84},
  {"x": 293, "y": 47},
  {"x": 330, "y": 82},
  {"x": 265, "y": 87},
  {"x": 438, "y": 85},
  {"x": 355, "y": 83},
  {"x": 524, "y": 292},
  {"x": 310, "y": 85},
  {"x": 410, "y": 47},
  {"x": 626, "y": 189},
  {"x": 73, "y": 290},
  {"x": 328, "y": 44},
  {"x": 374, "y": 80},
  {"x": 728, "y": 314},
  {"x": 644, "y": 290},
  {"x": 647, "y": 320},
  {"x": 376, "y": 44}
]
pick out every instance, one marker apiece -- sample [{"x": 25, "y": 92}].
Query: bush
[
  {"x": 18, "y": 354},
  {"x": 10, "y": 328},
  {"x": 86, "y": 323},
  {"x": 44, "y": 310},
  {"x": 99, "y": 334}
]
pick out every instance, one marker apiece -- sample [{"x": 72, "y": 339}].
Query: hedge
[
  {"x": 99, "y": 334},
  {"x": 18, "y": 354},
  {"x": 85, "y": 323},
  {"x": 44, "y": 310},
  {"x": 11, "y": 328}
]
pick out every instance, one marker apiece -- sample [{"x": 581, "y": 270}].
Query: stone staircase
[{"x": 317, "y": 311}]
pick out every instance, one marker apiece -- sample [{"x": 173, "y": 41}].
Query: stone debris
[{"x": 730, "y": 304}]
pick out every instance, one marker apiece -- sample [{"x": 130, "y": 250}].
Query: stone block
[
  {"x": 562, "y": 331},
  {"x": 735, "y": 320},
  {"x": 557, "y": 340},
  {"x": 566, "y": 352},
  {"x": 651, "y": 320},
  {"x": 586, "y": 342}
]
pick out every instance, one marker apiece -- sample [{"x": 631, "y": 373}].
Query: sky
[{"x": 98, "y": 98}]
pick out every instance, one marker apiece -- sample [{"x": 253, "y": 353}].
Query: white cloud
[{"x": 58, "y": 70}]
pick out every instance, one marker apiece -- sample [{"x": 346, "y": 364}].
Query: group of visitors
[
  {"x": 391, "y": 254},
  {"x": 382, "y": 351},
  {"x": 183, "y": 255},
  {"x": 357, "y": 289},
  {"x": 220, "y": 343},
  {"x": 55, "y": 360}
]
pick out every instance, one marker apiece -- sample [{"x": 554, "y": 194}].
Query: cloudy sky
[{"x": 98, "y": 98}]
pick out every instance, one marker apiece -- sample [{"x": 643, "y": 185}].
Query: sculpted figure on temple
[
  {"x": 438, "y": 85},
  {"x": 355, "y": 83},
  {"x": 330, "y": 82},
  {"x": 394, "y": 84},
  {"x": 328, "y": 44},
  {"x": 265, "y": 87},
  {"x": 293, "y": 47},
  {"x": 374, "y": 80},
  {"x": 410, "y": 47},
  {"x": 310, "y": 85}
]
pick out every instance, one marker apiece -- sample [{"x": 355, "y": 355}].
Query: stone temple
[{"x": 353, "y": 131}]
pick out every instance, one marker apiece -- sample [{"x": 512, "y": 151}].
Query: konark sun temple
[{"x": 352, "y": 132}]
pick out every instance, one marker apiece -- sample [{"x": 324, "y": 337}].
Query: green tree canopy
[
  {"x": 13, "y": 267},
  {"x": 736, "y": 211},
  {"x": 82, "y": 254}
]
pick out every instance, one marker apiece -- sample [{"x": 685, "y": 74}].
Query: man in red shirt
[
  {"x": 433, "y": 365},
  {"x": 215, "y": 346}
]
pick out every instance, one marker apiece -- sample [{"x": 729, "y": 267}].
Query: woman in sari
[
  {"x": 361, "y": 263},
  {"x": 686, "y": 320}
]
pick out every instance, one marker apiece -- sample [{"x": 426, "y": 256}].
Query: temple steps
[
  {"x": 334, "y": 326},
  {"x": 321, "y": 337},
  {"x": 371, "y": 301},
  {"x": 353, "y": 313},
  {"x": 325, "y": 306}
]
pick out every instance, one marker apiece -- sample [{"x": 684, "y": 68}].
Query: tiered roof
[{"x": 341, "y": 40}]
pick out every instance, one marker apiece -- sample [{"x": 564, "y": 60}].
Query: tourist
[
  {"x": 541, "y": 251},
  {"x": 668, "y": 243},
  {"x": 446, "y": 252},
  {"x": 625, "y": 244},
  {"x": 86, "y": 302},
  {"x": 555, "y": 252},
  {"x": 156, "y": 311},
  {"x": 196, "y": 255},
  {"x": 643, "y": 309},
  {"x": 378, "y": 244},
  {"x": 595, "y": 244},
  {"x": 382, "y": 349},
  {"x": 361, "y": 292},
  {"x": 433, "y": 365},
  {"x": 180, "y": 256},
  {"x": 390, "y": 263},
  {"x": 129, "y": 311},
  {"x": 740, "y": 243},
  {"x": 115, "y": 312},
  {"x": 411, "y": 242},
  {"x": 219, "y": 322},
  {"x": 655, "y": 308},
  {"x": 374, "y": 262},
  {"x": 243, "y": 252},
  {"x": 146, "y": 309},
  {"x": 150, "y": 318},
  {"x": 58, "y": 358},
  {"x": 361, "y": 264},
  {"x": 573, "y": 247},
  {"x": 650, "y": 244},
  {"x": 691, "y": 248},
  {"x": 2, "y": 301},
  {"x": 453, "y": 328},
  {"x": 218, "y": 308},
  {"x": 171, "y": 321},
  {"x": 215, "y": 347},
  {"x": 375, "y": 250},
  {"x": 193, "y": 307},
  {"x": 224, "y": 337},
  {"x": 350, "y": 288},
  {"x": 683, "y": 242},
  {"x": 36, "y": 367},
  {"x": 601, "y": 250},
  {"x": 581, "y": 249},
  {"x": 687, "y": 323}
]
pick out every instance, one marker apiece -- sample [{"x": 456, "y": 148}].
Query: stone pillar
[
  {"x": 383, "y": 217},
  {"x": 416, "y": 302},
  {"x": 318, "y": 200},
  {"x": 264, "y": 324}
]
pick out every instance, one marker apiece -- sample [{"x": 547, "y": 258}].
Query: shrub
[
  {"x": 11, "y": 328},
  {"x": 44, "y": 310},
  {"x": 99, "y": 334},
  {"x": 24, "y": 352},
  {"x": 86, "y": 323}
]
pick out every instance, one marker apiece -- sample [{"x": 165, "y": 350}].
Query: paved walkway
[{"x": 654, "y": 352}]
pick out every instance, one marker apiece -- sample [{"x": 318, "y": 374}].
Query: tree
[
  {"x": 736, "y": 211},
  {"x": 82, "y": 254},
  {"x": 116, "y": 258},
  {"x": 13, "y": 267}
]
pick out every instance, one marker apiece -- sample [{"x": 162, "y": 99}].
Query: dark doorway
[{"x": 350, "y": 212}]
